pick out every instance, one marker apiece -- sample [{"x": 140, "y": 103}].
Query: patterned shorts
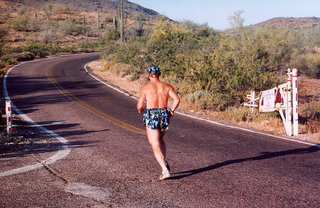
[{"x": 157, "y": 118}]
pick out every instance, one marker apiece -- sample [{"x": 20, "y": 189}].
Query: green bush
[
  {"x": 14, "y": 58},
  {"x": 110, "y": 35},
  {"x": 48, "y": 35},
  {"x": 2, "y": 65},
  {"x": 310, "y": 110},
  {"x": 308, "y": 65},
  {"x": 41, "y": 50},
  {"x": 212, "y": 70},
  {"x": 21, "y": 23},
  {"x": 25, "y": 56},
  {"x": 9, "y": 59},
  {"x": 70, "y": 27},
  {"x": 3, "y": 33}
]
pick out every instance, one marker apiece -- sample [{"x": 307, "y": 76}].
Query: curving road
[{"x": 112, "y": 162}]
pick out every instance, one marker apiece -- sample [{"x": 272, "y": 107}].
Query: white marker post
[
  {"x": 289, "y": 105},
  {"x": 9, "y": 116},
  {"x": 284, "y": 99},
  {"x": 295, "y": 102}
]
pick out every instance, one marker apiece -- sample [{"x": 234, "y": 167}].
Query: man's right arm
[{"x": 142, "y": 100}]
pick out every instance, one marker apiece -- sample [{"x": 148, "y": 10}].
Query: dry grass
[{"x": 117, "y": 75}]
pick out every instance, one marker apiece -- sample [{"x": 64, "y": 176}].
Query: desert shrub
[
  {"x": 25, "y": 56},
  {"x": 92, "y": 32},
  {"x": 206, "y": 99},
  {"x": 48, "y": 35},
  {"x": 131, "y": 53},
  {"x": 310, "y": 36},
  {"x": 21, "y": 23},
  {"x": 68, "y": 49},
  {"x": 2, "y": 65},
  {"x": 3, "y": 33},
  {"x": 41, "y": 50},
  {"x": 239, "y": 114},
  {"x": 89, "y": 45},
  {"x": 213, "y": 71},
  {"x": 70, "y": 27},
  {"x": 110, "y": 35},
  {"x": 310, "y": 110},
  {"x": 308, "y": 65},
  {"x": 164, "y": 43},
  {"x": 14, "y": 58},
  {"x": 245, "y": 114},
  {"x": 309, "y": 116},
  {"x": 35, "y": 25},
  {"x": 9, "y": 59}
]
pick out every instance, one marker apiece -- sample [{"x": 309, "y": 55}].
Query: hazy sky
[{"x": 216, "y": 12}]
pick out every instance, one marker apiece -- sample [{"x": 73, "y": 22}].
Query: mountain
[
  {"x": 91, "y": 6},
  {"x": 292, "y": 22}
]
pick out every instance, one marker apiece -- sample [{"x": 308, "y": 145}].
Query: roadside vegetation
[{"x": 214, "y": 70}]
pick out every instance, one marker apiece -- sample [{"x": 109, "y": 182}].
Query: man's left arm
[{"x": 176, "y": 100}]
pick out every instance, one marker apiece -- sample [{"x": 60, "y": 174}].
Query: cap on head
[{"x": 154, "y": 70}]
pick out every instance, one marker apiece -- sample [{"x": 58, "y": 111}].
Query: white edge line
[
  {"x": 112, "y": 87},
  {"x": 202, "y": 119},
  {"x": 63, "y": 152}
]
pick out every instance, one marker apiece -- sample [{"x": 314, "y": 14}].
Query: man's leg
[{"x": 155, "y": 137}]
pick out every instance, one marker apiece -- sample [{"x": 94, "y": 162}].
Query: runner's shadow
[{"x": 263, "y": 156}]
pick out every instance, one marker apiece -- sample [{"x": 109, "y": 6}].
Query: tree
[{"x": 236, "y": 21}]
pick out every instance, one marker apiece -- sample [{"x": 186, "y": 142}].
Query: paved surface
[{"x": 111, "y": 163}]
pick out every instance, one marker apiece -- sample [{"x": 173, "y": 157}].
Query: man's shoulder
[
  {"x": 145, "y": 87},
  {"x": 167, "y": 85}
]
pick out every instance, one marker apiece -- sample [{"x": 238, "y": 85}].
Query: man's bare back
[{"x": 156, "y": 95}]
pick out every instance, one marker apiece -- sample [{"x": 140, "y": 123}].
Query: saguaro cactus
[
  {"x": 98, "y": 20},
  {"x": 121, "y": 22},
  {"x": 115, "y": 22}
]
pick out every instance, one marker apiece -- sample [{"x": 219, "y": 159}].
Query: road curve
[{"x": 213, "y": 166}]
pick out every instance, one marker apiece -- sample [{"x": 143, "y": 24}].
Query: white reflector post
[
  {"x": 9, "y": 116},
  {"x": 289, "y": 105},
  {"x": 295, "y": 102}
]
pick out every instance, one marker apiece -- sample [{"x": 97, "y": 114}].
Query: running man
[{"x": 156, "y": 116}]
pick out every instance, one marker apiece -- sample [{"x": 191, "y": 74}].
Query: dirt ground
[{"x": 308, "y": 90}]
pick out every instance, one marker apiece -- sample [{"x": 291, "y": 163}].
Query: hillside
[
  {"x": 90, "y": 6},
  {"x": 70, "y": 21},
  {"x": 290, "y": 22}
]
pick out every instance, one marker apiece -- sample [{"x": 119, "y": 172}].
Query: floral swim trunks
[{"x": 157, "y": 118}]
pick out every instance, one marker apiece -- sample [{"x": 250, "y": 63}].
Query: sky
[{"x": 216, "y": 13}]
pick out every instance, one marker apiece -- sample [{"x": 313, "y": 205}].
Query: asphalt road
[{"x": 111, "y": 163}]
